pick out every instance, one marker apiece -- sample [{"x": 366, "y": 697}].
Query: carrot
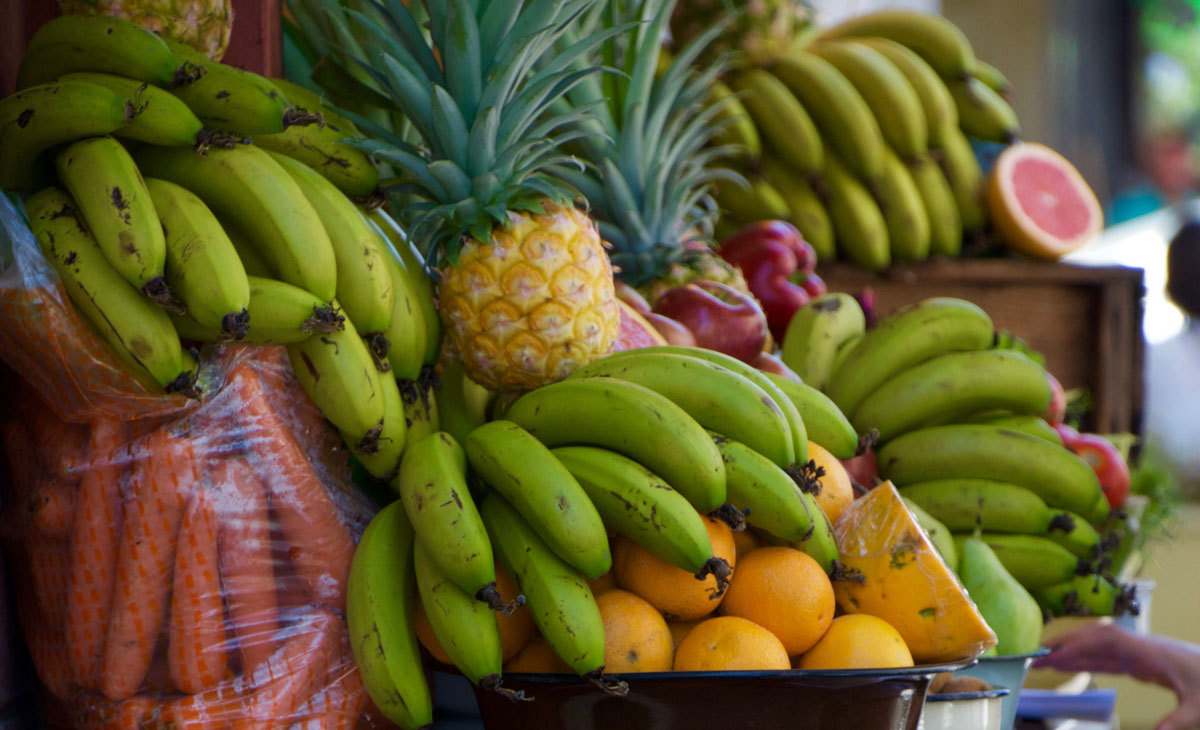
[
  {"x": 42, "y": 614},
  {"x": 338, "y": 706},
  {"x": 319, "y": 544},
  {"x": 196, "y": 648},
  {"x": 129, "y": 714},
  {"x": 52, "y": 507},
  {"x": 94, "y": 551},
  {"x": 159, "y": 487},
  {"x": 20, "y": 456},
  {"x": 244, "y": 556}
]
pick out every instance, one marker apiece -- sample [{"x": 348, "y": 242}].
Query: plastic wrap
[{"x": 180, "y": 562}]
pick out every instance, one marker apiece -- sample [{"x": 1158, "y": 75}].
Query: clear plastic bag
[{"x": 180, "y": 563}]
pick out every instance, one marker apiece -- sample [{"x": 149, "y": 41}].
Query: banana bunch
[{"x": 859, "y": 136}]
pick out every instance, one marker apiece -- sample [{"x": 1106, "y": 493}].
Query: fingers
[{"x": 1185, "y": 717}]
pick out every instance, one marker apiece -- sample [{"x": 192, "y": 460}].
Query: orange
[
  {"x": 745, "y": 541},
  {"x": 680, "y": 629},
  {"x": 858, "y": 641},
  {"x": 537, "y": 658},
  {"x": 603, "y": 584},
  {"x": 836, "y": 491},
  {"x": 1039, "y": 202},
  {"x": 516, "y": 629},
  {"x": 675, "y": 592},
  {"x": 730, "y": 643},
  {"x": 636, "y": 637},
  {"x": 786, "y": 592}
]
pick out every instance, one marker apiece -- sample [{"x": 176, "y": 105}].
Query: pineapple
[
  {"x": 202, "y": 24},
  {"x": 762, "y": 29},
  {"x": 525, "y": 288}
]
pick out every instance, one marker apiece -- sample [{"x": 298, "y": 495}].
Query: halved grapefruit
[
  {"x": 635, "y": 332},
  {"x": 1040, "y": 204}
]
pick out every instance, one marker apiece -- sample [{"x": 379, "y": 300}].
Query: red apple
[
  {"x": 814, "y": 285},
  {"x": 632, "y": 297},
  {"x": 1068, "y": 435},
  {"x": 673, "y": 332},
  {"x": 769, "y": 363},
  {"x": 719, "y": 316},
  {"x": 1057, "y": 410},
  {"x": 806, "y": 255},
  {"x": 1105, "y": 459},
  {"x": 863, "y": 469}
]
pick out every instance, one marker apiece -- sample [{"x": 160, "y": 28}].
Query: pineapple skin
[
  {"x": 698, "y": 265},
  {"x": 202, "y": 24},
  {"x": 533, "y": 303},
  {"x": 763, "y": 30}
]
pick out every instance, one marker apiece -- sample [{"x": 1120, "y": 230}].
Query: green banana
[
  {"x": 939, "y": 535},
  {"x": 941, "y": 114},
  {"x": 976, "y": 451},
  {"x": 756, "y": 200},
  {"x": 253, "y": 261},
  {"x": 321, "y": 147},
  {"x": 965, "y": 176},
  {"x": 432, "y": 485},
  {"x": 964, "y": 504},
  {"x": 1033, "y": 560},
  {"x": 1075, "y": 534},
  {"x": 422, "y": 283},
  {"x": 420, "y": 412},
  {"x": 824, "y": 421},
  {"x": 785, "y": 126},
  {"x": 159, "y": 117},
  {"x": 950, "y": 387},
  {"x": 630, "y": 419},
  {"x": 364, "y": 287},
  {"x": 277, "y": 314},
  {"x": 841, "y": 114},
  {"x": 859, "y": 229},
  {"x": 337, "y": 371},
  {"x": 406, "y": 332},
  {"x": 888, "y": 93},
  {"x": 945, "y": 222},
  {"x": 736, "y": 128},
  {"x": 202, "y": 267},
  {"x": 540, "y": 487},
  {"x": 134, "y": 328},
  {"x": 463, "y": 404},
  {"x": 717, "y": 398},
  {"x": 992, "y": 77},
  {"x": 95, "y": 42},
  {"x": 638, "y": 504},
  {"x": 937, "y": 40},
  {"x": 804, "y": 207},
  {"x": 1006, "y": 605},
  {"x": 982, "y": 113},
  {"x": 1032, "y": 425},
  {"x": 904, "y": 338},
  {"x": 384, "y": 461},
  {"x": 844, "y": 351},
  {"x": 910, "y": 232},
  {"x": 1087, "y": 595},
  {"x": 557, "y": 595},
  {"x": 753, "y": 482},
  {"x": 311, "y": 101},
  {"x": 251, "y": 190},
  {"x": 821, "y": 545},
  {"x": 815, "y": 333},
  {"x": 380, "y": 597}
]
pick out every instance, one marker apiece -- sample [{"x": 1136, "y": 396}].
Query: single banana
[
  {"x": 1035, "y": 561},
  {"x": 465, "y": 628},
  {"x": 754, "y": 375},
  {"x": 964, "y": 504},
  {"x": 945, "y": 222},
  {"x": 364, "y": 286},
  {"x": 277, "y": 314},
  {"x": 1033, "y": 425},
  {"x": 638, "y": 504},
  {"x": 135, "y": 329},
  {"x": 422, "y": 283},
  {"x": 253, "y": 261},
  {"x": 937, "y": 40},
  {"x": 888, "y": 93},
  {"x": 976, "y": 451},
  {"x": 939, "y": 535},
  {"x": 815, "y": 333},
  {"x": 822, "y": 544},
  {"x": 908, "y": 336},
  {"x": 159, "y": 117},
  {"x": 380, "y": 603},
  {"x": 630, "y": 419},
  {"x": 804, "y": 207},
  {"x": 462, "y": 403},
  {"x": 992, "y": 77},
  {"x": 99, "y": 42},
  {"x": 910, "y": 231},
  {"x": 755, "y": 200},
  {"x": 965, "y": 176},
  {"x": 716, "y": 397},
  {"x": 941, "y": 113},
  {"x": 321, "y": 147},
  {"x": 432, "y": 484},
  {"x": 557, "y": 595},
  {"x": 948, "y": 388},
  {"x": 752, "y": 481},
  {"x": 230, "y": 99},
  {"x": 1087, "y": 595},
  {"x": 736, "y": 128},
  {"x": 841, "y": 114},
  {"x": 518, "y": 466},
  {"x": 40, "y": 117},
  {"x": 982, "y": 113},
  {"x": 824, "y": 421},
  {"x": 785, "y": 126},
  {"x": 251, "y": 190},
  {"x": 1077, "y": 535},
  {"x": 384, "y": 461},
  {"x": 844, "y": 351},
  {"x": 407, "y": 334},
  {"x": 202, "y": 268},
  {"x": 337, "y": 371},
  {"x": 311, "y": 101},
  {"x": 859, "y": 229}
]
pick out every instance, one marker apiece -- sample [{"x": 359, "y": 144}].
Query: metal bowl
[
  {"x": 1007, "y": 672},
  {"x": 964, "y": 710}
]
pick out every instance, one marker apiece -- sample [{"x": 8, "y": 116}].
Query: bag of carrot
[{"x": 187, "y": 566}]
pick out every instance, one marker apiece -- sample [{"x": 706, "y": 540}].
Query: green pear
[
  {"x": 941, "y": 538},
  {"x": 1007, "y": 607}
]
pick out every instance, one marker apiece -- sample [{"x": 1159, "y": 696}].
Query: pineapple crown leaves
[{"x": 475, "y": 82}]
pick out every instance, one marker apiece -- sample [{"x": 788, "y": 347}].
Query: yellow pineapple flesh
[{"x": 202, "y": 24}]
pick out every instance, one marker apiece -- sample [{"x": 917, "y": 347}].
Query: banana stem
[
  {"x": 614, "y": 687},
  {"x": 489, "y": 595},
  {"x": 719, "y": 569}
]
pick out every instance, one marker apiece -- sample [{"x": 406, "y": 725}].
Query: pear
[
  {"x": 941, "y": 538},
  {"x": 1007, "y": 607}
]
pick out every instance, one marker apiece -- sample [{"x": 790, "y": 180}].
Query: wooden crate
[{"x": 1087, "y": 321}]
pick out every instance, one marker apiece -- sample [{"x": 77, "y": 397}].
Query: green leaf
[
  {"x": 498, "y": 19},
  {"x": 484, "y": 188},
  {"x": 460, "y": 54},
  {"x": 481, "y": 147},
  {"x": 449, "y": 128},
  {"x": 452, "y": 178},
  {"x": 409, "y": 32},
  {"x": 415, "y": 98}
]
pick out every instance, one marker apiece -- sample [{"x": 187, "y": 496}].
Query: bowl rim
[
  {"x": 1041, "y": 651},
  {"x": 986, "y": 694},
  {"x": 915, "y": 670}
]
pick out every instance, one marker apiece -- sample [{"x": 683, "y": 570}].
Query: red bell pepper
[{"x": 773, "y": 256}]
